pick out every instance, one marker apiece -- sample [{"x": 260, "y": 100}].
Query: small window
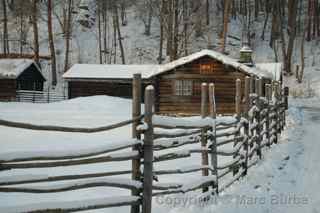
[
  {"x": 183, "y": 87},
  {"x": 206, "y": 68}
]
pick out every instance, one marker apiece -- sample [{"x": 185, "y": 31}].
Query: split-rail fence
[{"x": 256, "y": 126}]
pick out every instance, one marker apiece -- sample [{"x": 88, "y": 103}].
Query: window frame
[
  {"x": 206, "y": 69},
  {"x": 183, "y": 87}
]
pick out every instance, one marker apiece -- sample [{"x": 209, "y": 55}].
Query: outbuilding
[
  {"x": 19, "y": 74},
  {"x": 177, "y": 84}
]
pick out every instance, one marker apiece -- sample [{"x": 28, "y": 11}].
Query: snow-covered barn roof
[
  {"x": 111, "y": 71},
  {"x": 13, "y": 68}
]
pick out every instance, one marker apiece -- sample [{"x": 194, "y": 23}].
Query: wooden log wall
[
  {"x": 112, "y": 88},
  {"x": 8, "y": 89}
]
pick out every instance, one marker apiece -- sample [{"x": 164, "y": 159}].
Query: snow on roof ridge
[{"x": 227, "y": 60}]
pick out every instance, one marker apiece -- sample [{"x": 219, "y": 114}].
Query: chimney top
[{"x": 246, "y": 56}]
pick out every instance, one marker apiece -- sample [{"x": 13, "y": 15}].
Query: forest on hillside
[{"x": 60, "y": 33}]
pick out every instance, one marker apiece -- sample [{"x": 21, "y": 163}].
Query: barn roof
[
  {"x": 111, "y": 71},
  {"x": 13, "y": 68}
]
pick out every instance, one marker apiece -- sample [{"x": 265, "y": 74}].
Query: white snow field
[{"x": 289, "y": 170}]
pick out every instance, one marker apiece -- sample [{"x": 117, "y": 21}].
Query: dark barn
[
  {"x": 177, "y": 84},
  {"x": 113, "y": 80},
  {"x": 19, "y": 74}
]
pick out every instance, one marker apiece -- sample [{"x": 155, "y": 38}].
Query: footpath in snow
[{"x": 287, "y": 180}]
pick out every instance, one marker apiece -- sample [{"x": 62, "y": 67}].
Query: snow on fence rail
[
  {"x": 39, "y": 96},
  {"x": 241, "y": 138}
]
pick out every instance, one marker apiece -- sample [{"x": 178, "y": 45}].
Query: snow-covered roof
[
  {"x": 111, "y": 71},
  {"x": 12, "y": 68},
  {"x": 274, "y": 68},
  {"x": 227, "y": 60}
]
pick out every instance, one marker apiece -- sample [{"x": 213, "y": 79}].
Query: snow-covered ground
[
  {"x": 288, "y": 169},
  {"x": 81, "y": 112}
]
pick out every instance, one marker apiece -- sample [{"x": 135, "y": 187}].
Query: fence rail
[
  {"x": 241, "y": 138},
  {"x": 39, "y": 96}
]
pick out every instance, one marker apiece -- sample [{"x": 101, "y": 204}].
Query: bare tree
[
  {"x": 117, "y": 29},
  {"x": 6, "y": 49},
  {"x": 68, "y": 33},
  {"x": 227, "y": 5},
  {"x": 51, "y": 45},
  {"x": 35, "y": 30}
]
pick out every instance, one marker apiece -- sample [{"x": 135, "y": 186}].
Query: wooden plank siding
[
  {"x": 90, "y": 88},
  {"x": 223, "y": 77},
  {"x": 7, "y": 89}
]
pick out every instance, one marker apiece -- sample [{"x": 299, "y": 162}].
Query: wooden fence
[
  {"x": 255, "y": 127},
  {"x": 39, "y": 96}
]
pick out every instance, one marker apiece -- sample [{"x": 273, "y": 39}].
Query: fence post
[
  {"x": 268, "y": 97},
  {"x": 214, "y": 157},
  {"x": 204, "y": 113},
  {"x": 34, "y": 93},
  {"x": 238, "y": 116},
  {"x": 258, "y": 119},
  {"x": 136, "y": 112},
  {"x": 148, "y": 151},
  {"x": 274, "y": 117},
  {"x": 246, "y": 96},
  {"x": 48, "y": 95},
  {"x": 278, "y": 108},
  {"x": 252, "y": 84},
  {"x": 246, "y": 125},
  {"x": 286, "y": 104}
]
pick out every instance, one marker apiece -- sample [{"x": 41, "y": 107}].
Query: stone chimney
[{"x": 246, "y": 56}]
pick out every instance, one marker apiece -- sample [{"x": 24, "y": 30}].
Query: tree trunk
[
  {"x": 35, "y": 30},
  {"x": 5, "y": 29},
  {"x": 309, "y": 20},
  {"x": 227, "y": 4},
  {"x": 161, "y": 32},
  {"x": 207, "y": 12},
  {"x": 292, "y": 15},
  {"x": 174, "y": 54},
  {"x": 169, "y": 11},
  {"x": 149, "y": 21},
  {"x": 117, "y": 25},
  {"x": 68, "y": 34},
  {"x": 51, "y": 45},
  {"x": 266, "y": 19},
  {"x": 99, "y": 34}
]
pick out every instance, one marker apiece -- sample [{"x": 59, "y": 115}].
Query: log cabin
[
  {"x": 19, "y": 74},
  {"x": 177, "y": 83}
]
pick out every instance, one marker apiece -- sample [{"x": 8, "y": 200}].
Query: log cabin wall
[
  {"x": 203, "y": 70},
  {"x": 89, "y": 88},
  {"x": 7, "y": 90}
]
